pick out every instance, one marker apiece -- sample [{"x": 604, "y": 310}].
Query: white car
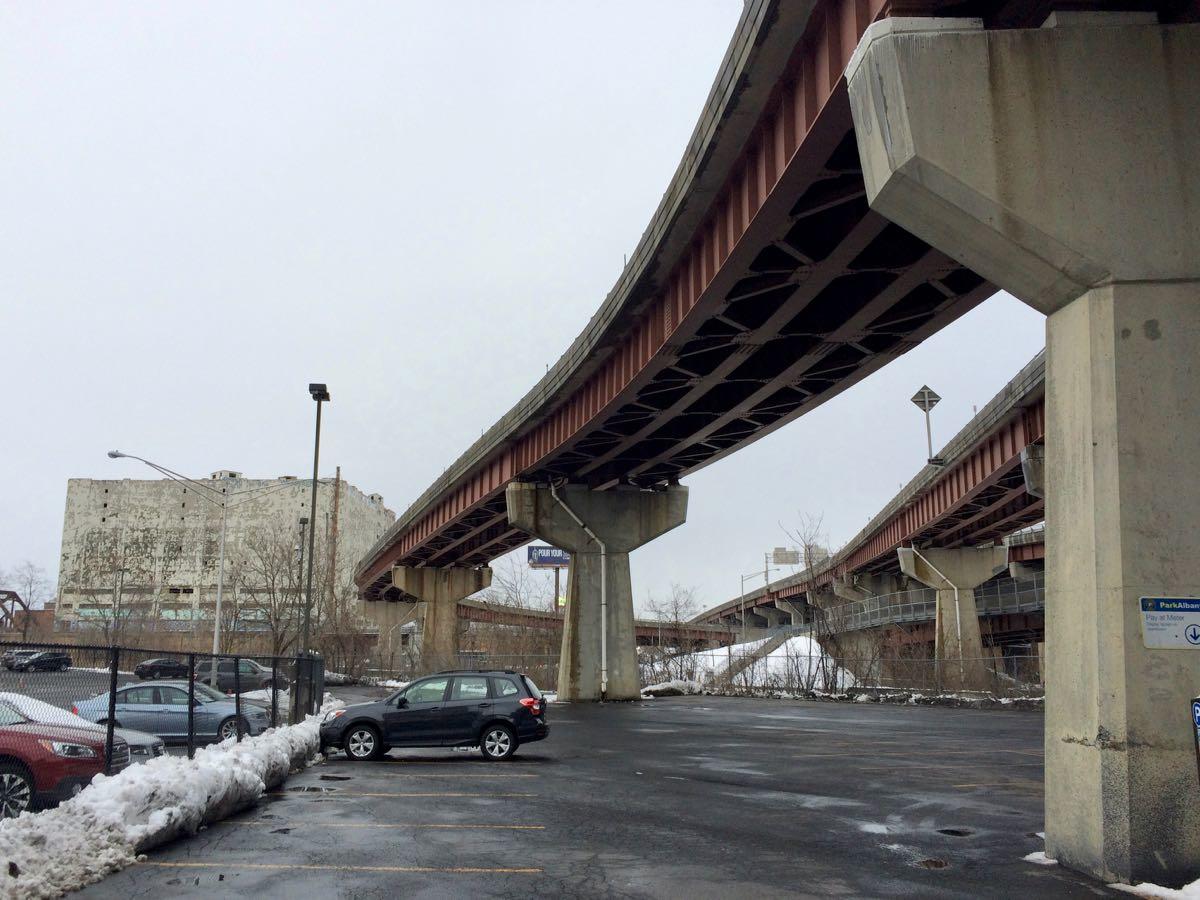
[{"x": 142, "y": 746}]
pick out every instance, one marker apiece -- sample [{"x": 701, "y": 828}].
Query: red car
[{"x": 43, "y": 764}]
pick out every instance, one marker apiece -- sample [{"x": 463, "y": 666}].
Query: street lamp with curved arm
[{"x": 217, "y": 498}]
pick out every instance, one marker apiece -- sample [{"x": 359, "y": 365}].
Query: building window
[
  {"x": 102, "y": 518},
  {"x": 106, "y": 506}
]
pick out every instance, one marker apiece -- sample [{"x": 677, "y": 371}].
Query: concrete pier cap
[
  {"x": 599, "y": 652},
  {"x": 1062, "y": 164}
]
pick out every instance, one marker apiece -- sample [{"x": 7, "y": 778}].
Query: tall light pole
[
  {"x": 320, "y": 393},
  {"x": 218, "y": 499}
]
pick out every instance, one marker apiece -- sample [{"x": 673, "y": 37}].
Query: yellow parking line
[
  {"x": 282, "y": 824},
  {"x": 231, "y": 864},
  {"x": 341, "y": 793},
  {"x": 1027, "y": 785}
]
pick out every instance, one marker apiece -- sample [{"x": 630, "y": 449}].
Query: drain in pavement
[
  {"x": 311, "y": 789},
  {"x": 956, "y": 832},
  {"x": 336, "y": 777},
  {"x": 932, "y": 863}
]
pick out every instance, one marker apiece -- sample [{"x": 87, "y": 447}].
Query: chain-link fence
[{"x": 71, "y": 711}]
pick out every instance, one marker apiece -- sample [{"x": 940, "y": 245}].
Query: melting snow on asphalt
[
  {"x": 674, "y": 688},
  {"x": 1040, "y": 858},
  {"x": 1145, "y": 889},
  {"x": 106, "y": 826}
]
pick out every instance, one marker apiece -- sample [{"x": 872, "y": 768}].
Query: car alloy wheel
[
  {"x": 16, "y": 793},
  {"x": 361, "y": 743},
  {"x": 497, "y": 743},
  {"x": 228, "y": 730}
]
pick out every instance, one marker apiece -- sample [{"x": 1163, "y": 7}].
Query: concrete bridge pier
[
  {"x": 954, "y": 575},
  {"x": 581, "y": 520},
  {"x": 439, "y": 590},
  {"x": 1063, "y": 164},
  {"x": 795, "y": 610}
]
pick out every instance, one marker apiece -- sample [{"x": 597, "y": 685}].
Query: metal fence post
[
  {"x": 114, "y": 665},
  {"x": 237, "y": 696},
  {"x": 274, "y": 691},
  {"x": 191, "y": 742}
]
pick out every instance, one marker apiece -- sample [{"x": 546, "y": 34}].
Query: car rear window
[
  {"x": 504, "y": 688},
  {"x": 533, "y": 688}
]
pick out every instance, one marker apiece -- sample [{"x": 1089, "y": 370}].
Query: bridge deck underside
[
  {"x": 778, "y": 289},
  {"x": 830, "y": 293}
]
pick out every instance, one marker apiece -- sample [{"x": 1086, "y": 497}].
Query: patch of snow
[
  {"x": 339, "y": 678},
  {"x": 264, "y": 696},
  {"x": 1040, "y": 858},
  {"x": 674, "y": 688},
  {"x": 1146, "y": 889},
  {"x": 41, "y": 711},
  {"x": 386, "y": 683},
  {"x": 104, "y": 828},
  {"x": 550, "y": 696}
]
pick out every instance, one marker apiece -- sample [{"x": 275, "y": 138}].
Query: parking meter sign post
[
  {"x": 114, "y": 667},
  {"x": 274, "y": 691},
  {"x": 191, "y": 745},
  {"x": 237, "y": 697}
]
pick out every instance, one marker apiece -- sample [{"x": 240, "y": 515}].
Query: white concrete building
[{"x": 148, "y": 550}]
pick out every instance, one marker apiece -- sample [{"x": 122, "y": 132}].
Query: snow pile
[
  {"x": 1146, "y": 889},
  {"x": 798, "y": 663},
  {"x": 674, "y": 688},
  {"x": 283, "y": 697},
  {"x": 1040, "y": 858},
  {"x": 110, "y": 822},
  {"x": 339, "y": 678},
  {"x": 387, "y": 683}
]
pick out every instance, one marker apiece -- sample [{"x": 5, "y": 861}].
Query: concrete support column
[
  {"x": 775, "y": 617},
  {"x": 389, "y": 618},
  {"x": 795, "y": 610},
  {"x": 439, "y": 590},
  {"x": 621, "y": 519},
  {"x": 954, "y": 575},
  {"x": 1063, "y": 164}
]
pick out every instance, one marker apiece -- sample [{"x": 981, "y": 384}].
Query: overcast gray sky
[{"x": 203, "y": 207}]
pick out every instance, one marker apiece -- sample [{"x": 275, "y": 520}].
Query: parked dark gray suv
[
  {"x": 496, "y": 711},
  {"x": 250, "y": 675}
]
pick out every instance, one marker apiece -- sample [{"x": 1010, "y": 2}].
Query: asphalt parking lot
[{"x": 691, "y": 796}]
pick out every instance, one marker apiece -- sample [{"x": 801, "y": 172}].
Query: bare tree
[
  {"x": 671, "y": 657},
  {"x": 29, "y": 580},
  {"x": 518, "y": 585},
  {"x": 266, "y": 575}
]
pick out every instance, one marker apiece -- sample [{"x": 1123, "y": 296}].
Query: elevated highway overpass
[
  {"x": 863, "y": 173},
  {"x": 989, "y": 487}
]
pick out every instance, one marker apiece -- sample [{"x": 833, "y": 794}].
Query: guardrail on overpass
[{"x": 995, "y": 598}]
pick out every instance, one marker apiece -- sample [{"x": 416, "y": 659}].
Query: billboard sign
[{"x": 544, "y": 557}]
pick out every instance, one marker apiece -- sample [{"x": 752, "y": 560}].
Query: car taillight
[
  {"x": 534, "y": 706},
  {"x": 74, "y": 709}
]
